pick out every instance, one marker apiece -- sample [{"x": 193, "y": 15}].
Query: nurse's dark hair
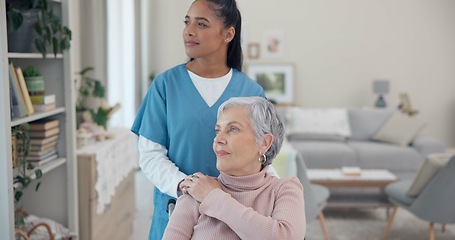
[{"x": 228, "y": 12}]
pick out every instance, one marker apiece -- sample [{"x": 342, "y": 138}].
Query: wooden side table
[{"x": 369, "y": 178}]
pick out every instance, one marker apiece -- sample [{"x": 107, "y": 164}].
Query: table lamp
[{"x": 380, "y": 87}]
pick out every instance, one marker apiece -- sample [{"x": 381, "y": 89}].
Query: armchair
[
  {"x": 315, "y": 196},
  {"x": 434, "y": 203}
]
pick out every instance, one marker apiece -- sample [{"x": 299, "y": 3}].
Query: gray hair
[{"x": 263, "y": 118}]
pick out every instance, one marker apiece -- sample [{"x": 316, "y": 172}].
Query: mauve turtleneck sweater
[{"x": 257, "y": 206}]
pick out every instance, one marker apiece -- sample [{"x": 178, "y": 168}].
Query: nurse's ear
[{"x": 229, "y": 34}]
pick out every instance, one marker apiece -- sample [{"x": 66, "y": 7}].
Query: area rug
[{"x": 353, "y": 224}]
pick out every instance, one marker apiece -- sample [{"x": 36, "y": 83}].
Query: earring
[{"x": 262, "y": 158}]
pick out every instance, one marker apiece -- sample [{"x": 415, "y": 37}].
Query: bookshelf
[{"x": 57, "y": 197}]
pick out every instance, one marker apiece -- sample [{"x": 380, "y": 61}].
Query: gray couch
[{"x": 326, "y": 151}]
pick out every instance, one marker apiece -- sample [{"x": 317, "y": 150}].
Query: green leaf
[
  {"x": 55, "y": 45},
  {"x": 86, "y": 70},
  {"x": 26, "y": 181},
  {"x": 18, "y": 195},
  {"x": 48, "y": 35},
  {"x": 41, "y": 46},
  {"x": 99, "y": 90},
  {"x": 15, "y": 19},
  {"x": 38, "y": 28},
  {"x": 38, "y": 173},
  {"x": 65, "y": 44},
  {"x": 37, "y": 186},
  {"x": 30, "y": 166}
]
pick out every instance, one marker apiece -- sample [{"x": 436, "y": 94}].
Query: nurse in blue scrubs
[{"x": 176, "y": 119}]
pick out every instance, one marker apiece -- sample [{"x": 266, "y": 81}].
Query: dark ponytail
[{"x": 227, "y": 11}]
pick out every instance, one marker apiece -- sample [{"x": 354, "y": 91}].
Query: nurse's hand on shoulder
[{"x": 199, "y": 185}]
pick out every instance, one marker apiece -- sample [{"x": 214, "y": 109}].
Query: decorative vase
[
  {"x": 22, "y": 40},
  {"x": 35, "y": 85}
]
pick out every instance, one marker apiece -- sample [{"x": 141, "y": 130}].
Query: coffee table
[{"x": 365, "y": 190}]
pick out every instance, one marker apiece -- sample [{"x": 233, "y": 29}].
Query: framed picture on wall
[
  {"x": 276, "y": 79},
  {"x": 273, "y": 44}
]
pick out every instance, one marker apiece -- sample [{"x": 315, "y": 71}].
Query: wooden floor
[{"x": 144, "y": 207}]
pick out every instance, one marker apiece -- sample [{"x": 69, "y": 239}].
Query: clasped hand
[{"x": 199, "y": 185}]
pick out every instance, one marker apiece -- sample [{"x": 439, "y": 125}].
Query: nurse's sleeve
[{"x": 157, "y": 167}]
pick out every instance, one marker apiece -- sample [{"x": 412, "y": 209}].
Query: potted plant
[
  {"x": 24, "y": 15},
  {"x": 34, "y": 81},
  {"x": 89, "y": 87},
  {"x": 23, "y": 169}
]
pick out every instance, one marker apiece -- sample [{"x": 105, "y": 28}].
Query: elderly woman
[{"x": 244, "y": 202}]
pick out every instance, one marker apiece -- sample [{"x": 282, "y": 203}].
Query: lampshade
[{"x": 381, "y": 86}]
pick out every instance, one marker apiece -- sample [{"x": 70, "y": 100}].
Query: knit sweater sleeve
[
  {"x": 183, "y": 219},
  {"x": 287, "y": 220}
]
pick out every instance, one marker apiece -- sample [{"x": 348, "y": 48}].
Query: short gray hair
[{"x": 263, "y": 118}]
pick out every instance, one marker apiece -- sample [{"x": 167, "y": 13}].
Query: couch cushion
[
  {"x": 384, "y": 155},
  {"x": 397, "y": 192},
  {"x": 315, "y": 137},
  {"x": 325, "y": 154},
  {"x": 432, "y": 164},
  {"x": 400, "y": 129},
  {"x": 366, "y": 122},
  {"x": 332, "y": 121}
]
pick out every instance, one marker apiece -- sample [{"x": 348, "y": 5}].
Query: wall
[{"x": 339, "y": 47}]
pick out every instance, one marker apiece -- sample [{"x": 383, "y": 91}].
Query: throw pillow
[
  {"x": 432, "y": 164},
  {"x": 319, "y": 121},
  {"x": 399, "y": 129}
]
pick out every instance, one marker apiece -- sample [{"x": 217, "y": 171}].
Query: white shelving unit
[{"x": 57, "y": 197}]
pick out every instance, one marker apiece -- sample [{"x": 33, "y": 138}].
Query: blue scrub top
[{"x": 175, "y": 115}]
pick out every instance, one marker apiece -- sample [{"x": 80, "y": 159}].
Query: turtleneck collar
[{"x": 242, "y": 183}]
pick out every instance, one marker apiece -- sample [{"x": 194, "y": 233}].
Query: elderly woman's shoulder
[{"x": 287, "y": 182}]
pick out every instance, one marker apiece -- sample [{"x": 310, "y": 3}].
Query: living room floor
[
  {"x": 342, "y": 224},
  {"x": 144, "y": 207}
]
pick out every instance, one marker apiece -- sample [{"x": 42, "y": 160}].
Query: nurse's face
[{"x": 204, "y": 34}]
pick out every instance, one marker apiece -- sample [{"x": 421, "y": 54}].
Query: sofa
[{"x": 368, "y": 138}]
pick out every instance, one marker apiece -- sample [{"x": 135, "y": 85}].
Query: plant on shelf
[
  {"x": 49, "y": 31},
  {"x": 34, "y": 80},
  {"x": 24, "y": 170},
  {"x": 89, "y": 87},
  {"x": 31, "y": 71}
]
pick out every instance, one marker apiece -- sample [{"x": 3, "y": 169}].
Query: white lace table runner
[{"x": 115, "y": 158}]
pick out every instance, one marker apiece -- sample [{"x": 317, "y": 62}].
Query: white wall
[{"x": 339, "y": 47}]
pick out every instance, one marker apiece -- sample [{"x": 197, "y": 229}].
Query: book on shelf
[
  {"x": 43, "y": 141},
  {"x": 41, "y": 157},
  {"x": 43, "y": 99},
  {"x": 17, "y": 103},
  {"x": 43, "y": 147},
  {"x": 43, "y": 153},
  {"x": 24, "y": 91},
  {"x": 39, "y": 163},
  {"x": 43, "y": 124},
  {"x": 44, "y": 107},
  {"x": 44, "y": 133}
]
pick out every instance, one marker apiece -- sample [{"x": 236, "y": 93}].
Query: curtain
[{"x": 121, "y": 61}]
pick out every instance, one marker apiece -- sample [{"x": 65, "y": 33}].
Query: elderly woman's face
[{"x": 235, "y": 146}]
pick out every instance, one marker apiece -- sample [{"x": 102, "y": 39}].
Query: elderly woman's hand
[{"x": 199, "y": 185}]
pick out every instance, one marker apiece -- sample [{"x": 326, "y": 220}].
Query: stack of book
[
  {"x": 43, "y": 141},
  {"x": 43, "y": 103}
]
